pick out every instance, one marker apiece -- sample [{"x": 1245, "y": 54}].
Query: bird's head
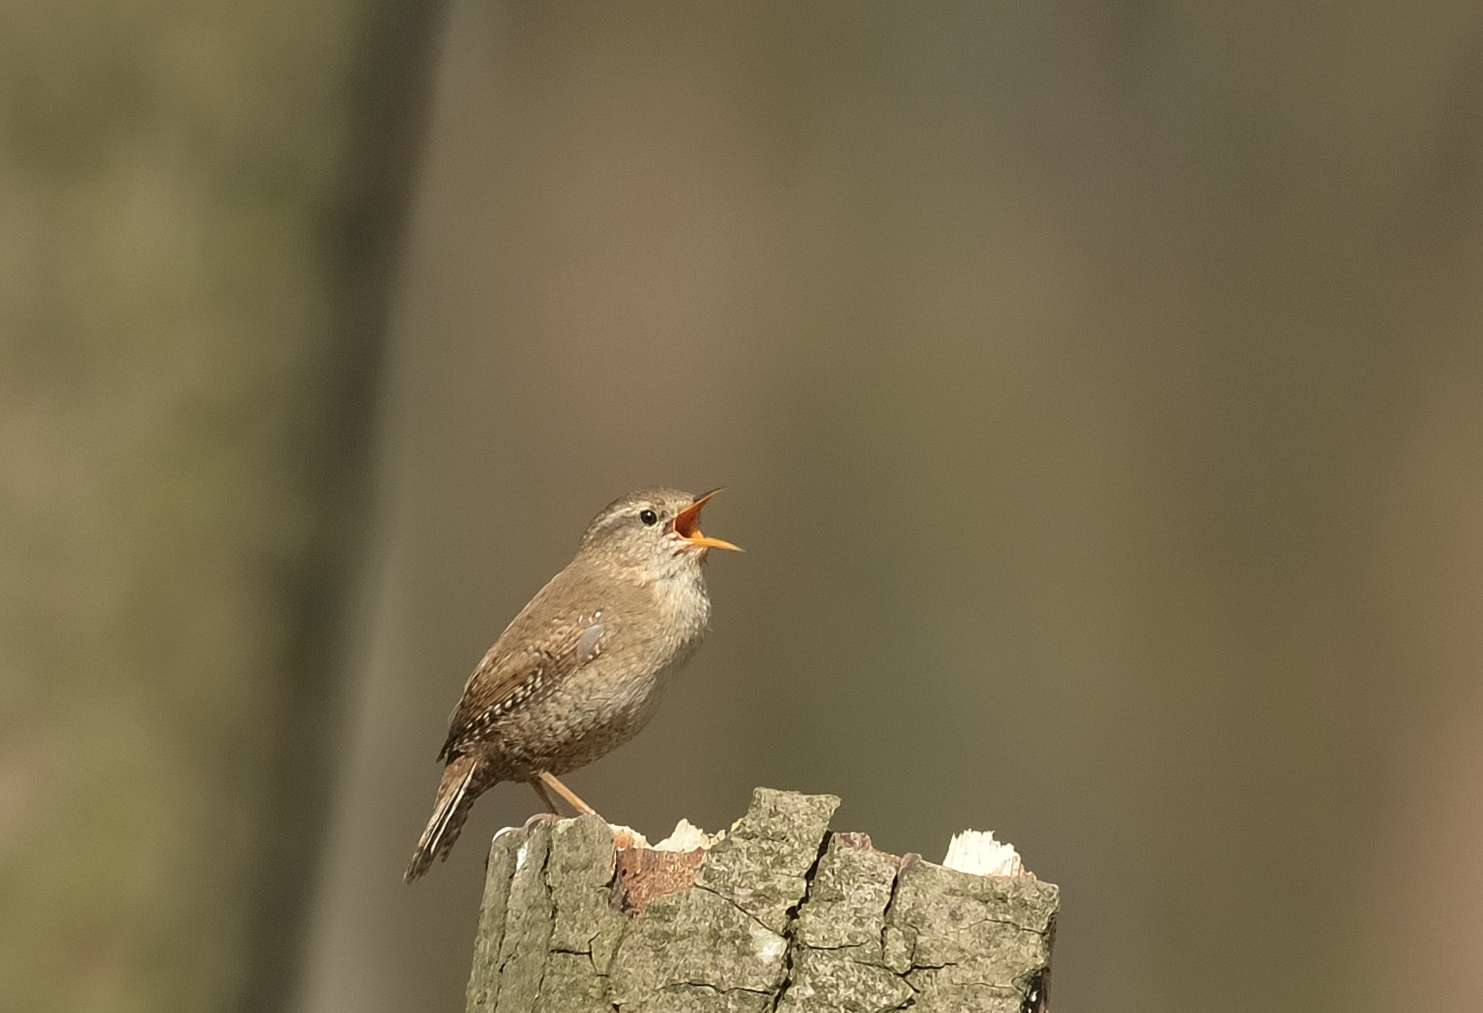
[{"x": 652, "y": 528}]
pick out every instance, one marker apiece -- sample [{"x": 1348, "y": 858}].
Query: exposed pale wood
[{"x": 777, "y": 914}]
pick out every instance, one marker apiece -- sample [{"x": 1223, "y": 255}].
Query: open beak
[{"x": 687, "y": 526}]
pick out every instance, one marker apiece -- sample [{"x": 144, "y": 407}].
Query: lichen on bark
[{"x": 779, "y": 914}]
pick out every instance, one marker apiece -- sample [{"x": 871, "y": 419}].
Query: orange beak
[{"x": 687, "y": 526}]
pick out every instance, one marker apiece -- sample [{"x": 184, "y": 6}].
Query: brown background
[{"x": 1098, "y": 388}]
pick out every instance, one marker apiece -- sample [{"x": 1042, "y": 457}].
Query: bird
[{"x": 579, "y": 671}]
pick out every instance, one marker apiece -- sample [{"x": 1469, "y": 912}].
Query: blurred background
[{"x": 1098, "y": 387}]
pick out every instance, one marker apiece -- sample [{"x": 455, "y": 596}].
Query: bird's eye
[{"x": 648, "y": 516}]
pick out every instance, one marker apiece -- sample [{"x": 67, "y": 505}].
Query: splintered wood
[{"x": 777, "y": 913}]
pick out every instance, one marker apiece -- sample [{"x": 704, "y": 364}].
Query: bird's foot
[{"x": 546, "y": 780}]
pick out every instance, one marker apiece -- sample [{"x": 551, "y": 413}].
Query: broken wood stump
[{"x": 777, "y": 913}]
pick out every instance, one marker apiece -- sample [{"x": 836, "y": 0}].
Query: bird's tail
[{"x": 456, "y": 793}]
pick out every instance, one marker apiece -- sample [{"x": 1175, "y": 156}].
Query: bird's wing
[{"x": 509, "y": 675}]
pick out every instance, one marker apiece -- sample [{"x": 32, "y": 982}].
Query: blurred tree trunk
[{"x": 199, "y": 207}]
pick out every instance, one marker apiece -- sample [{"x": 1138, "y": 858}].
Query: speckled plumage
[{"x": 579, "y": 671}]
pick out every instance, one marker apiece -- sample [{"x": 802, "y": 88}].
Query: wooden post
[{"x": 777, "y": 913}]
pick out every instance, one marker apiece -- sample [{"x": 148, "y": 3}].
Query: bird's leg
[
  {"x": 545, "y": 797},
  {"x": 571, "y": 797}
]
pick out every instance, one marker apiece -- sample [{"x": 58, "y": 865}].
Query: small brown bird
[{"x": 578, "y": 672}]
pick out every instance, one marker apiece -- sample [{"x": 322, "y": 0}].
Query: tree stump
[{"x": 777, "y": 913}]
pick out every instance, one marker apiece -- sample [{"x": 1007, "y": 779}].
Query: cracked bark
[{"x": 780, "y": 915}]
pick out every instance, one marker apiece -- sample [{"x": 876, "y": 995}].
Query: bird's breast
[{"x": 649, "y": 631}]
